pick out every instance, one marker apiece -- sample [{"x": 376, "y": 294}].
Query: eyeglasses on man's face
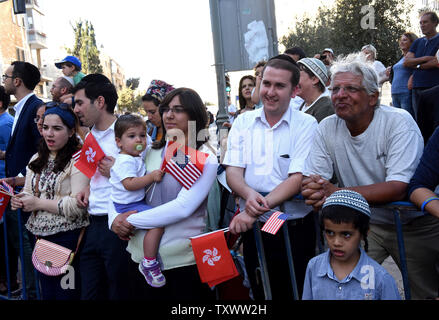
[
  {"x": 5, "y": 76},
  {"x": 348, "y": 89}
]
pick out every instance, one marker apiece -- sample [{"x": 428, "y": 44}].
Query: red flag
[
  {"x": 4, "y": 200},
  {"x": 214, "y": 261},
  {"x": 276, "y": 221},
  {"x": 184, "y": 164},
  {"x": 91, "y": 154},
  {"x": 6, "y": 191}
]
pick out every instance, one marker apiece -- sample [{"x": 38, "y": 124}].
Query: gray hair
[
  {"x": 371, "y": 48},
  {"x": 357, "y": 64}
]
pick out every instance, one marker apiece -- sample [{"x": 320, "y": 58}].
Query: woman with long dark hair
[
  {"x": 179, "y": 210},
  {"x": 52, "y": 182},
  {"x": 246, "y": 85}
]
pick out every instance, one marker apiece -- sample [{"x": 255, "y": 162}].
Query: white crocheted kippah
[{"x": 348, "y": 198}]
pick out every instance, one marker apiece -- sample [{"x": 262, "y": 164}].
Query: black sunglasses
[{"x": 53, "y": 104}]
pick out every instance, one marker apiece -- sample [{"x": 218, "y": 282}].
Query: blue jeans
[{"x": 403, "y": 101}]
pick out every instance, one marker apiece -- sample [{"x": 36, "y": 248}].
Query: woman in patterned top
[{"x": 52, "y": 182}]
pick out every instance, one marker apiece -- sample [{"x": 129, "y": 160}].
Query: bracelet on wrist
[{"x": 427, "y": 201}]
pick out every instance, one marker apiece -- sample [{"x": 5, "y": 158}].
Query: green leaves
[
  {"x": 85, "y": 47},
  {"x": 351, "y": 24}
]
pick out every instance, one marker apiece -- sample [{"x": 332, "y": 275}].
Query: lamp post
[{"x": 219, "y": 67}]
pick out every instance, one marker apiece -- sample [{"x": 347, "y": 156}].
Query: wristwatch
[{"x": 418, "y": 66}]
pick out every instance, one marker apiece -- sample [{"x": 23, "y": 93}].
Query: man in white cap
[
  {"x": 327, "y": 56},
  {"x": 62, "y": 86}
]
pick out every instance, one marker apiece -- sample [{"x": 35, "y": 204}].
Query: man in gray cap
[
  {"x": 312, "y": 88},
  {"x": 373, "y": 149}
]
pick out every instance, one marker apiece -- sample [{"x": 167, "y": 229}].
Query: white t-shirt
[
  {"x": 100, "y": 187},
  {"x": 270, "y": 154},
  {"x": 380, "y": 70},
  {"x": 389, "y": 150},
  {"x": 126, "y": 166}
]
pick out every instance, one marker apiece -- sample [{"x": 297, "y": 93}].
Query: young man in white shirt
[
  {"x": 104, "y": 262},
  {"x": 265, "y": 155}
]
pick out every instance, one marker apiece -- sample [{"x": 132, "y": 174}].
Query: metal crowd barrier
[
  {"x": 24, "y": 293},
  {"x": 396, "y": 208}
]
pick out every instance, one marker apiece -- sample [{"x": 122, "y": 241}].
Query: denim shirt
[{"x": 368, "y": 281}]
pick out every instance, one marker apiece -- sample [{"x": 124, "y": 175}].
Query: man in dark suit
[
  {"x": 20, "y": 79},
  {"x": 428, "y": 113}
]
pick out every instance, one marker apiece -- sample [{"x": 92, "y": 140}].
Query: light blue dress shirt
[{"x": 368, "y": 281}]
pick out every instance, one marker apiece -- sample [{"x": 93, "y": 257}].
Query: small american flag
[
  {"x": 182, "y": 169},
  {"x": 6, "y": 188},
  {"x": 76, "y": 155},
  {"x": 183, "y": 163},
  {"x": 273, "y": 224}
]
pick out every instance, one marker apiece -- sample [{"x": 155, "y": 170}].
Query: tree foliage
[
  {"x": 133, "y": 83},
  {"x": 311, "y": 34},
  {"x": 85, "y": 47},
  {"x": 129, "y": 100},
  {"x": 351, "y": 24}
]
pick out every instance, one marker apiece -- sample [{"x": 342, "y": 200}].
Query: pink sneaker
[{"x": 153, "y": 275}]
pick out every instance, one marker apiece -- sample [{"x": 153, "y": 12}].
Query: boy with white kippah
[{"x": 345, "y": 271}]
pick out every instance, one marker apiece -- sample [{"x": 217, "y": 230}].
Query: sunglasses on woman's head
[{"x": 53, "y": 104}]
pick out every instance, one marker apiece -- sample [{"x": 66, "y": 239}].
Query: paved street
[{"x": 393, "y": 269}]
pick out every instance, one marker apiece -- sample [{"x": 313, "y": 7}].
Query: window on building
[
  {"x": 14, "y": 17},
  {"x": 19, "y": 54},
  {"x": 30, "y": 22},
  {"x": 34, "y": 2}
]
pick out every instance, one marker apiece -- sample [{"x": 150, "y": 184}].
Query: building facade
[
  {"x": 23, "y": 39},
  {"x": 112, "y": 70}
]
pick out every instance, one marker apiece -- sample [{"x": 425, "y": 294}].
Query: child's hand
[{"x": 157, "y": 175}]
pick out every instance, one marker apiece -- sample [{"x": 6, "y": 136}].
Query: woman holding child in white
[{"x": 181, "y": 212}]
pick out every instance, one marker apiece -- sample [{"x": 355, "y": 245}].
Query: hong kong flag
[
  {"x": 91, "y": 154},
  {"x": 214, "y": 261},
  {"x": 183, "y": 163}
]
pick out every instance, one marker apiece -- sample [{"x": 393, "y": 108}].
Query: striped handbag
[{"x": 52, "y": 259}]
